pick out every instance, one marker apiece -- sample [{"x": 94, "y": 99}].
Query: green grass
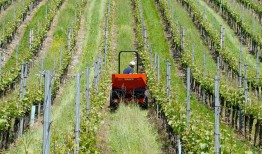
[
  {"x": 63, "y": 114},
  {"x": 130, "y": 132},
  {"x": 156, "y": 36},
  {"x": 125, "y": 34}
]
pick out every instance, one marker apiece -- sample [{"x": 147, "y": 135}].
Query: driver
[{"x": 130, "y": 69}]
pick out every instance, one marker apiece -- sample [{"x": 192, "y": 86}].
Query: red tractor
[{"x": 128, "y": 87}]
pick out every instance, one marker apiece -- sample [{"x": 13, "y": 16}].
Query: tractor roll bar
[{"x": 137, "y": 57}]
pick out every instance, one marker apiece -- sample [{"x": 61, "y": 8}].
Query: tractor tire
[
  {"x": 144, "y": 105},
  {"x": 112, "y": 104}
]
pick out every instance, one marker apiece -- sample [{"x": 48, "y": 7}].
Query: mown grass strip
[
  {"x": 126, "y": 36},
  {"x": 131, "y": 132}
]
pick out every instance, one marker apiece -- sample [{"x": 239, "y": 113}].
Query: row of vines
[
  {"x": 16, "y": 108},
  {"x": 198, "y": 137}
]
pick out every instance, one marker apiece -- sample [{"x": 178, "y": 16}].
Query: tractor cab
[{"x": 128, "y": 88}]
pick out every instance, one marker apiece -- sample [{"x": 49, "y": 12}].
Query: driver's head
[{"x": 132, "y": 64}]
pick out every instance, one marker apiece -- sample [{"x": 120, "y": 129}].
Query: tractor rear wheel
[
  {"x": 144, "y": 105},
  {"x": 111, "y": 101},
  {"x": 113, "y": 104}
]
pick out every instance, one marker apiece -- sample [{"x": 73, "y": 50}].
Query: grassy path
[
  {"x": 131, "y": 132},
  {"x": 160, "y": 45},
  {"x": 129, "y": 128},
  {"x": 62, "y": 113}
]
